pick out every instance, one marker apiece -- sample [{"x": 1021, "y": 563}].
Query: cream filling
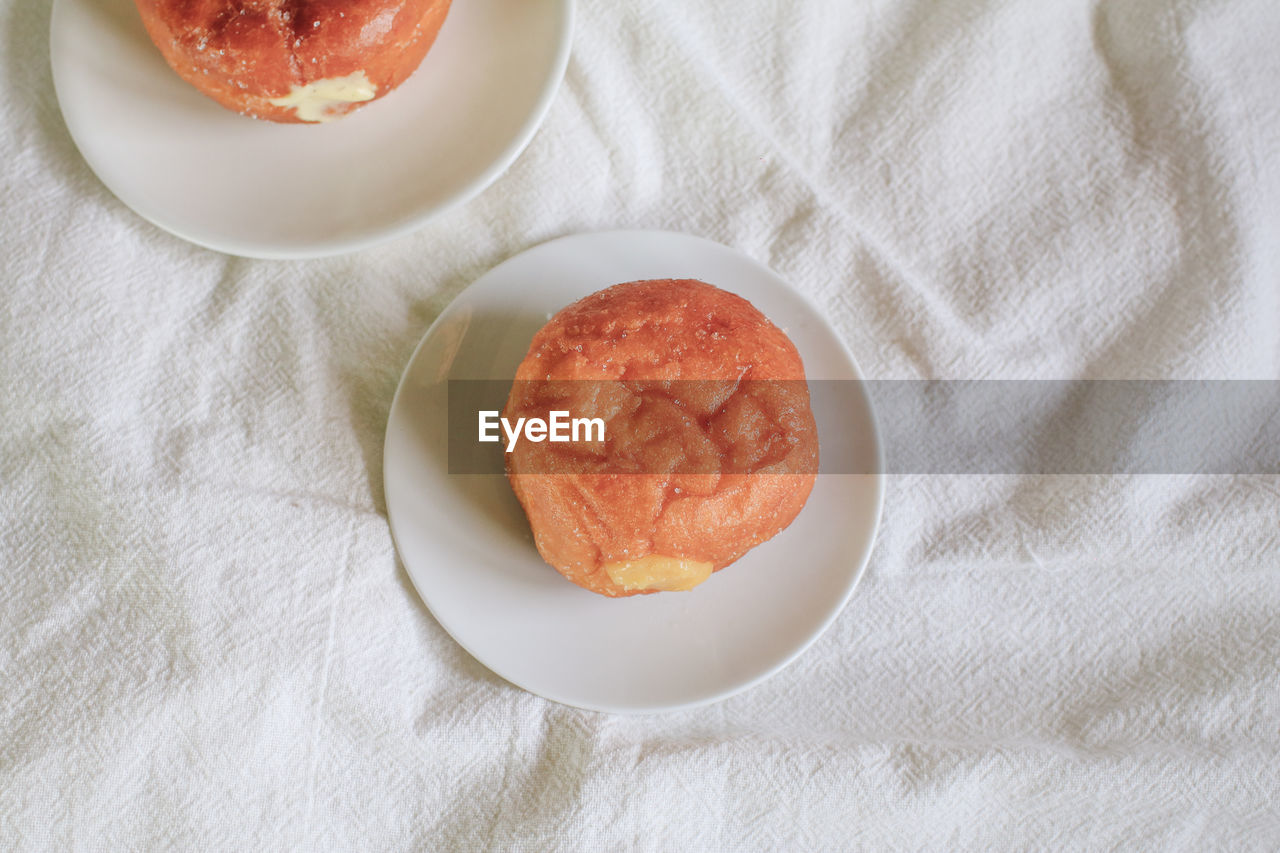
[
  {"x": 316, "y": 101},
  {"x": 655, "y": 572}
]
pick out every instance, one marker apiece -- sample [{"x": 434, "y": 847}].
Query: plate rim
[
  {"x": 330, "y": 248},
  {"x": 877, "y": 478}
]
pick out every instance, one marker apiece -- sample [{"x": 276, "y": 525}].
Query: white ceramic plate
[
  {"x": 259, "y": 189},
  {"x": 466, "y": 544}
]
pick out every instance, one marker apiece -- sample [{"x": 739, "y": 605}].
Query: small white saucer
[
  {"x": 466, "y": 544},
  {"x": 266, "y": 190}
]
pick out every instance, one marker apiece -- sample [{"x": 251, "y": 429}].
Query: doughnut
[
  {"x": 293, "y": 60},
  {"x": 709, "y": 448}
]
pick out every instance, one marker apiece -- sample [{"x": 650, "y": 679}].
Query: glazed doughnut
[
  {"x": 710, "y": 446},
  {"x": 293, "y": 60}
]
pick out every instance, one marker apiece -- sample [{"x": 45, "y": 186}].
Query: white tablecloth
[{"x": 207, "y": 641}]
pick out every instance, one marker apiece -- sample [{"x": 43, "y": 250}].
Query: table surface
[{"x": 207, "y": 641}]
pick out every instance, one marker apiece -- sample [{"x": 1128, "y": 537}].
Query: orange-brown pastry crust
[
  {"x": 711, "y": 447},
  {"x": 247, "y": 53}
]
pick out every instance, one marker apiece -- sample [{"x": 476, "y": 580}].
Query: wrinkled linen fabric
[{"x": 207, "y": 640}]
